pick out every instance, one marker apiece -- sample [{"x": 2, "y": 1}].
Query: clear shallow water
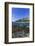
[{"x": 20, "y": 34}]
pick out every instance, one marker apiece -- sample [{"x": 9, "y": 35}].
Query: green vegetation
[
  {"x": 16, "y": 28},
  {"x": 20, "y": 28},
  {"x": 23, "y": 20}
]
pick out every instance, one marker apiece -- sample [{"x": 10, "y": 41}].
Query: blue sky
[{"x": 19, "y": 13}]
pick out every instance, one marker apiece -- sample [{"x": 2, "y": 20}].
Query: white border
[{"x": 10, "y": 23}]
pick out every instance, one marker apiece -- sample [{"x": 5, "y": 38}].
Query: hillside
[{"x": 23, "y": 20}]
